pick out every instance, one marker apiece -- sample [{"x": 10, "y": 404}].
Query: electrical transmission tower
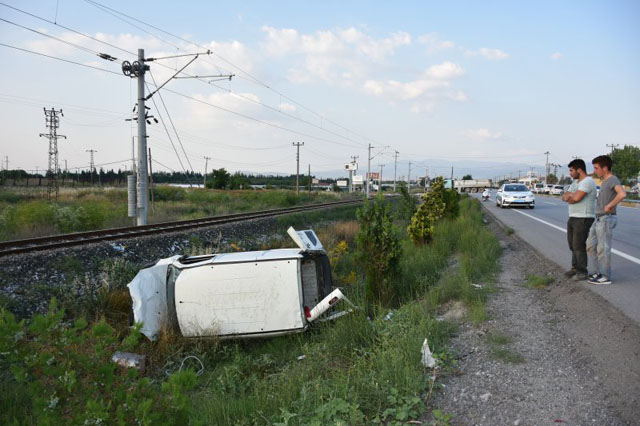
[
  {"x": 92, "y": 166},
  {"x": 53, "y": 122}
]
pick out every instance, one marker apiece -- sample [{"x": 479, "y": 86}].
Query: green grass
[
  {"x": 506, "y": 355},
  {"x": 536, "y": 281},
  {"x": 498, "y": 339},
  {"x": 355, "y": 370},
  {"x": 27, "y": 214},
  {"x": 509, "y": 230}
]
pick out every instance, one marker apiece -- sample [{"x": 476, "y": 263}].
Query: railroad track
[{"x": 81, "y": 238}]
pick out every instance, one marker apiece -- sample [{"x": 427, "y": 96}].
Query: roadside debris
[
  {"x": 129, "y": 360},
  {"x": 427, "y": 357},
  {"x": 245, "y": 294}
]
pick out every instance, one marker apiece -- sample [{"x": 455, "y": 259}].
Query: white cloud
[
  {"x": 444, "y": 71},
  {"x": 556, "y": 56},
  {"x": 494, "y": 54},
  {"x": 434, "y": 43},
  {"x": 481, "y": 134},
  {"x": 434, "y": 83},
  {"x": 287, "y": 107},
  {"x": 334, "y": 56}
]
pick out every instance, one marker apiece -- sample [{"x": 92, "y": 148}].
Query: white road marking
[
  {"x": 553, "y": 204},
  {"x": 614, "y": 251}
]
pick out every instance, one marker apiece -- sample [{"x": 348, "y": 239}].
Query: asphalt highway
[{"x": 545, "y": 229}]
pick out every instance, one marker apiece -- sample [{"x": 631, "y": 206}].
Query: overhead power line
[
  {"x": 68, "y": 29},
  {"x": 113, "y": 12},
  {"x": 238, "y": 95},
  {"x": 60, "y": 59}
]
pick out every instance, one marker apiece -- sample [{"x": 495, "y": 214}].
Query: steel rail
[{"x": 81, "y": 238}]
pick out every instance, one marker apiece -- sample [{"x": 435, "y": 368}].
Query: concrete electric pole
[
  {"x": 206, "y": 162},
  {"x": 297, "y": 145},
  {"x": 368, "y": 170},
  {"x": 380, "y": 177},
  {"x": 546, "y": 176},
  {"x": 612, "y": 146},
  {"x": 53, "y": 122},
  {"x": 409, "y": 178},
  {"x": 395, "y": 167}
]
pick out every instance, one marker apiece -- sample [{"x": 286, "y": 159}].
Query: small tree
[
  {"x": 407, "y": 206},
  {"x": 221, "y": 179},
  {"x": 466, "y": 177},
  {"x": 451, "y": 203},
  {"x": 379, "y": 249},
  {"x": 430, "y": 211},
  {"x": 626, "y": 163}
]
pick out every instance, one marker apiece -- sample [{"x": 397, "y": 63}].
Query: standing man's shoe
[
  {"x": 571, "y": 272},
  {"x": 580, "y": 276},
  {"x": 600, "y": 280}
]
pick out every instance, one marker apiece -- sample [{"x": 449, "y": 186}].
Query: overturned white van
[{"x": 248, "y": 294}]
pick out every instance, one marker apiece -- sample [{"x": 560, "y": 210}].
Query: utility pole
[
  {"x": 206, "y": 161},
  {"x": 546, "y": 177},
  {"x": 395, "y": 167},
  {"x": 380, "y": 177},
  {"x": 612, "y": 146},
  {"x": 297, "y": 145},
  {"x": 92, "y": 168},
  {"x": 368, "y": 169},
  {"x": 53, "y": 122},
  {"x": 151, "y": 179},
  {"x": 309, "y": 178},
  {"x": 426, "y": 174},
  {"x": 409, "y": 185}
]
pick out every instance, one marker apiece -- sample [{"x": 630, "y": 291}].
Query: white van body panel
[
  {"x": 149, "y": 295},
  {"x": 240, "y": 298}
]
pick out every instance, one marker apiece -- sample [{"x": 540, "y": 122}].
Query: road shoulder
[{"x": 560, "y": 353}]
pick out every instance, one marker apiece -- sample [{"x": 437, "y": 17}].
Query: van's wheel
[{"x": 531, "y": 206}]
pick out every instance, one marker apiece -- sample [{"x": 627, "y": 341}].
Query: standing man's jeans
[
  {"x": 577, "y": 233},
  {"x": 599, "y": 243}
]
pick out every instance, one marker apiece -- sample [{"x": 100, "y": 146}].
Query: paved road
[{"x": 545, "y": 228}]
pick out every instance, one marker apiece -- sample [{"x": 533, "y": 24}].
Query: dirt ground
[{"x": 553, "y": 355}]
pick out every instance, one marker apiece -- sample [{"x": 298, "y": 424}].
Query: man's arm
[
  {"x": 620, "y": 194},
  {"x": 566, "y": 196},
  {"x": 576, "y": 197}
]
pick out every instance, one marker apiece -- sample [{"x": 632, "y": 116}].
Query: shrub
[
  {"x": 430, "y": 211},
  {"x": 407, "y": 207},
  {"x": 379, "y": 249},
  {"x": 452, "y": 203}
]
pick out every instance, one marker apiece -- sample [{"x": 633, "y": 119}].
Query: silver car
[{"x": 515, "y": 194}]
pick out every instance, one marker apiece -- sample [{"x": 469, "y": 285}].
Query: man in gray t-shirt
[{"x": 599, "y": 240}]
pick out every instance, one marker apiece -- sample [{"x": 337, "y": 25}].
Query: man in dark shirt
[{"x": 599, "y": 241}]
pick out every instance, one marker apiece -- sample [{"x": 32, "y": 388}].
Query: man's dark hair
[
  {"x": 603, "y": 161},
  {"x": 578, "y": 163}
]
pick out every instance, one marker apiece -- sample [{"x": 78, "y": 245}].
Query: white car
[
  {"x": 557, "y": 190},
  {"x": 515, "y": 194}
]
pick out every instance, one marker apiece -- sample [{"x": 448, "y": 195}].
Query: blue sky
[{"x": 485, "y": 86}]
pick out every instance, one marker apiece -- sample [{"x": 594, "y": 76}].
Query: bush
[
  {"x": 430, "y": 211},
  {"x": 379, "y": 249},
  {"x": 407, "y": 207},
  {"x": 451, "y": 203}
]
